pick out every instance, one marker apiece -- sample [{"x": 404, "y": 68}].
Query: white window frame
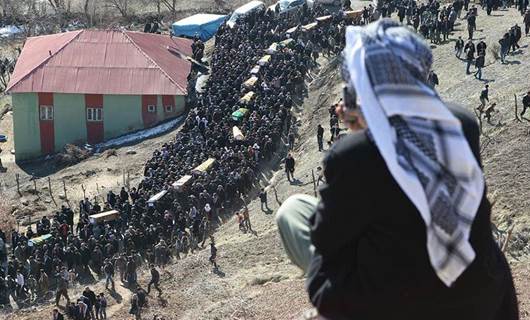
[
  {"x": 46, "y": 112},
  {"x": 151, "y": 108},
  {"x": 94, "y": 114},
  {"x": 169, "y": 108}
]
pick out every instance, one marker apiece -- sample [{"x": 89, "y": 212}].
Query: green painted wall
[
  {"x": 26, "y": 126},
  {"x": 69, "y": 119},
  {"x": 160, "y": 113},
  {"x": 121, "y": 114},
  {"x": 180, "y": 105}
]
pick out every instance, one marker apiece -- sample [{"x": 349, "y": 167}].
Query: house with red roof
[{"x": 93, "y": 85}]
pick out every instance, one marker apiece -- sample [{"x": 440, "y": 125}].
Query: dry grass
[{"x": 7, "y": 220}]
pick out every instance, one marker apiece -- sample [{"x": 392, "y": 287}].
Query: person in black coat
[
  {"x": 320, "y": 137},
  {"x": 368, "y": 240},
  {"x": 56, "y": 315},
  {"x": 363, "y": 244},
  {"x": 263, "y": 199},
  {"x": 391, "y": 263},
  {"x": 479, "y": 64},
  {"x": 289, "y": 167}
]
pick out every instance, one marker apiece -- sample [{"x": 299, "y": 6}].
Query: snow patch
[
  {"x": 139, "y": 135},
  {"x": 9, "y": 31}
]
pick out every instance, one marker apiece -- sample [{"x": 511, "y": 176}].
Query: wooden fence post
[
  {"x": 51, "y": 192},
  {"x": 508, "y": 236},
  {"x": 35, "y": 188},
  {"x": 64, "y": 189},
  {"x": 17, "y": 176},
  {"x": 84, "y": 191},
  {"x": 276, "y": 195},
  {"x": 97, "y": 190},
  {"x": 314, "y": 182},
  {"x": 516, "y": 111}
]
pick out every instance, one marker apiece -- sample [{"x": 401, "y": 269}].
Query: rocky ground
[{"x": 256, "y": 279}]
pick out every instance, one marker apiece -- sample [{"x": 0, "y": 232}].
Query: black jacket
[
  {"x": 155, "y": 275},
  {"x": 526, "y": 100},
  {"x": 59, "y": 317},
  {"x": 479, "y": 62},
  {"x": 371, "y": 259},
  {"x": 320, "y": 132},
  {"x": 289, "y": 163}
]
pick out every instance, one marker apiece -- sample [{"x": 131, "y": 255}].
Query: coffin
[
  {"x": 104, "y": 216},
  {"x": 205, "y": 166},
  {"x": 182, "y": 182}
]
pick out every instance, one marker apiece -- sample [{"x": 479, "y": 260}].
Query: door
[
  {"x": 47, "y": 132},
  {"x": 94, "y": 118},
  {"x": 149, "y": 110},
  {"x": 169, "y": 106}
]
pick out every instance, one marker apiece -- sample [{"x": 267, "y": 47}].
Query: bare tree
[
  {"x": 12, "y": 8},
  {"x": 87, "y": 13},
  {"x": 57, "y": 5},
  {"x": 68, "y": 6},
  {"x": 121, "y": 5},
  {"x": 3, "y": 4},
  {"x": 170, "y": 5}
]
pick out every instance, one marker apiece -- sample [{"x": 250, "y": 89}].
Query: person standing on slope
[{"x": 320, "y": 137}]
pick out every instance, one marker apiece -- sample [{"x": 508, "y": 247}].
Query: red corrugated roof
[{"x": 102, "y": 62}]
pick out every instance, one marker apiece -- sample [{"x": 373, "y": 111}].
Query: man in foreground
[{"x": 402, "y": 230}]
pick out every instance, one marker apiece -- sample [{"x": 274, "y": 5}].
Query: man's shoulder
[
  {"x": 354, "y": 147},
  {"x": 350, "y": 140}
]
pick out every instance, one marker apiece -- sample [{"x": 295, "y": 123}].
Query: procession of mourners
[
  {"x": 195, "y": 182},
  {"x": 180, "y": 201}
]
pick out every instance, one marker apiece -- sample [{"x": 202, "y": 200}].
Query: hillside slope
[{"x": 257, "y": 281}]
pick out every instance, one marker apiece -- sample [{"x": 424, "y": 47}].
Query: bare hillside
[{"x": 257, "y": 281}]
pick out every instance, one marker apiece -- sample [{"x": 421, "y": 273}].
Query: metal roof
[{"x": 103, "y": 62}]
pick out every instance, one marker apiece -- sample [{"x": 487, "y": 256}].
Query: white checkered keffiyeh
[{"x": 421, "y": 141}]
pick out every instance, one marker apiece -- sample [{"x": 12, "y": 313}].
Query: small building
[{"x": 93, "y": 85}]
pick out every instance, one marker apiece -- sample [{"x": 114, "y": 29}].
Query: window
[
  {"x": 94, "y": 114},
  {"x": 169, "y": 108},
  {"x": 46, "y": 112},
  {"x": 151, "y": 108}
]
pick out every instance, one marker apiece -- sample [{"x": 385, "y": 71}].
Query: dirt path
[{"x": 121, "y": 303}]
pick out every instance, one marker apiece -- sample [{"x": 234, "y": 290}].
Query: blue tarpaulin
[
  {"x": 202, "y": 25},
  {"x": 244, "y": 11}
]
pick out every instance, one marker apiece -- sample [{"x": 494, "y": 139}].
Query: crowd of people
[
  {"x": 153, "y": 233},
  {"x": 150, "y": 233}
]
